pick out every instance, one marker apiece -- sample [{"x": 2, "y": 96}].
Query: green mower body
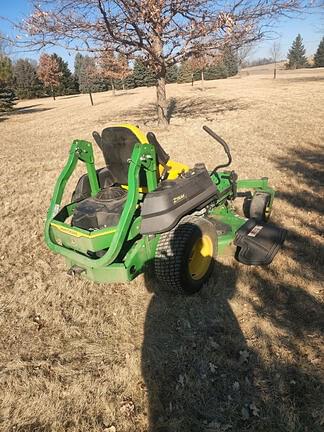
[{"x": 144, "y": 209}]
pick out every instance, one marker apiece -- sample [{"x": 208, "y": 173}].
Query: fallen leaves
[
  {"x": 110, "y": 429},
  {"x": 250, "y": 410},
  {"x": 236, "y": 386},
  {"x": 127, "y": 408},
  {"x": 244, "y": 356}
]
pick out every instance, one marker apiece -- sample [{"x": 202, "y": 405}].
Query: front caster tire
[
  {"x": 257, "y": 207},
  {"x": 185, "y": 256}
]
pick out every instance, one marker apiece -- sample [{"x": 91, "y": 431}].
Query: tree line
[
  {"x": 51, "y": 76},
  {"x": 26, "y": 78},
  {"x": 162, "y": 33},
  {"x": 297, "y": 55}
]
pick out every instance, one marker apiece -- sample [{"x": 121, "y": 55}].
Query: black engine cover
[{"x": 163, "y": 208}]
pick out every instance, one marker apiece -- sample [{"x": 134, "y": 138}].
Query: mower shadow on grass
[{"x": 191, "y": 358}]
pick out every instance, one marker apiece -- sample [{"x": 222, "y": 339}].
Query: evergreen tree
[
  {"x": 143, "y": 77},
  {"x": 319, "y": 55},
  {"x": 296, "y": 55},
  {"x": 230, "y": 61},
  {"x": 7, "y": 98},
  {"x": 130, "y": 81},
  {"x": 172, "y": 74},
  {"x": 216, "y": 71},
  {"x": 7, "y": 95},
  {"x": 149, "y": 79},
  {"x": 139, "y": 74},
  {"x": 26, "y": 82},
  {"x": 185, "y": 73},
  {"x": 77, "y": 68},
  {"x": 67, "y": 84},
  {"x": 6, "y": 71}
]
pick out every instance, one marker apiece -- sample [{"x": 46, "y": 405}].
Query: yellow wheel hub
[{"x": 200, "y": 257}]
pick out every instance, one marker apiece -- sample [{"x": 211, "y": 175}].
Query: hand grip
[
  {"x": 218, "y": 138},
  {"x": 223, "y": 144}
]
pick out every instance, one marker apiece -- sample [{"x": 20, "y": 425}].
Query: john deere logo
[{"x": 179, "y": 198}]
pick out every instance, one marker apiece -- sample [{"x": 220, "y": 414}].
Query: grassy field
[{"x": 245, "y": 354}]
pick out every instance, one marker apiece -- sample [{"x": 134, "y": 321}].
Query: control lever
[{"x": 223, "y": 144}]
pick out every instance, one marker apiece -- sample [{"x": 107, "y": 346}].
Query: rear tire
[
  {"x": 257, "y": 207},
  {"x": 185, "y": 256}
]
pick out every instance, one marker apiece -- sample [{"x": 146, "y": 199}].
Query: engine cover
[{"x": 163, "y": 208}]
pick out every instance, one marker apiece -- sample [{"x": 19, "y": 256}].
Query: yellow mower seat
[{"x": 116, "y": 144}]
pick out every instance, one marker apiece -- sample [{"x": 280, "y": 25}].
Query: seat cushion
[
  {"x": 83, "y": 190},
  {"x": 101, "y": 211}
]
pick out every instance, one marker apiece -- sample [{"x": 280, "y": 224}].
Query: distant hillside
[{"x": 260, "y": 70}]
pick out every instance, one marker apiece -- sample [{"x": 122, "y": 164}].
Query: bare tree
[
  {"x": 198, "y": 62},
  {"x": 124, "y": 69},
  {"x": 49, "y": 72},
  {"x": 275, "y": 51},
  {"x": 112, "y": 67},
  {"x": 88, "y": 75},
  {"x": 162, "y": 32},
  {"x": 242, "y": 54}
]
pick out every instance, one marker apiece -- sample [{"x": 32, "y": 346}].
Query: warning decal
[{"x": 255, "y": 231}]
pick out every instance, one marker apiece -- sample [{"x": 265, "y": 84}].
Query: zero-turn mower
[{"x": 143, "y": 208}]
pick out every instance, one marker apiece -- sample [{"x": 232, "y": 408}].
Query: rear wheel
[
  {"x": 185, "y": 255},
  {"x": 257, "y": 207}
]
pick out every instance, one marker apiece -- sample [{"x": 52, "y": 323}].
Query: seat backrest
[{"x": 117, "y": 143}]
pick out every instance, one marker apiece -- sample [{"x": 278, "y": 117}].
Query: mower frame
[{"x": 127, "y": 251}]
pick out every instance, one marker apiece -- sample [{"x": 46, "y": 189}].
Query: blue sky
[{"x": 310, "y": 26}]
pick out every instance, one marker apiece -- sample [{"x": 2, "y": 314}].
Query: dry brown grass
[{"x": 244, "y": 354}]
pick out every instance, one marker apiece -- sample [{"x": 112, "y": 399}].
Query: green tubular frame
[{"x": 143, "y": 155}]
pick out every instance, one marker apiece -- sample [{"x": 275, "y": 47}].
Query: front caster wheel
[{"x": 257, "y": 207}]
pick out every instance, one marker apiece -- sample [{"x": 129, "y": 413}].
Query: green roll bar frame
[{"x": 143, "y": 156}]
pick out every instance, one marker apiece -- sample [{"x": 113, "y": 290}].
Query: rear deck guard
[{"x": 258, "y": 244}]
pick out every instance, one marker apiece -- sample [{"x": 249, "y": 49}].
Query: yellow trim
[
  {"x": 75, "y": 233},
  {"x": 200, "y": 257},
  {"x": 175, "y": 169},
  {"x": 140, "y": 189},
  {"x": 136, "y": 131}
]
